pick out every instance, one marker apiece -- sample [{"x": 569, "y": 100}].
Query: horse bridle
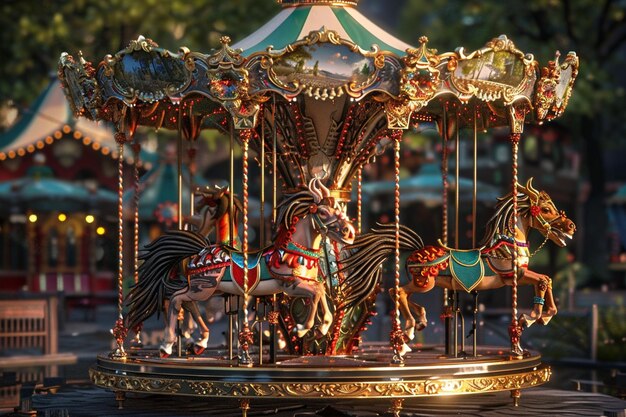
[
  {"x": 547, "y": 225},
  {"x": 320, "y": 226}
]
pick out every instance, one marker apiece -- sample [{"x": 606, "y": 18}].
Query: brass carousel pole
[
  {"x": 447, "y": 309},
  {"x": 262, "y": 156},
  {"x": 397, "y": 335},
  {"x": 245, "y": 335},
  {"x": 136, "y": 152},
  {"x": 474, "y": 210},
  {"x": 231, "y": 204},
  {"x": 262, "y": 222},
  {"x": 179, "y": 168},
  {"x": 273, "y": 317},
  {"x": 359, "y": 206},
  {"x": 455, "y": 294},
  {"x": 515, "y": 328},
  {"x": 119, "y": 331}
]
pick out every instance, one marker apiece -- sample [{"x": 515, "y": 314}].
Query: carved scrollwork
[
  {"x": 133, "y": 383},
  {"x": 372, "y": 389},
  {"x": 499, "y": 71},
  {"x": 145, "y": 72},
  {"x": 420, "y": 78},
  {"x": 80, "y": 86},
  {"x": 554, "y": 88},
  {"x": 141, "y": 44},
  {"x": 322, "y": 65},
  {"x": 399, "y": 112}
]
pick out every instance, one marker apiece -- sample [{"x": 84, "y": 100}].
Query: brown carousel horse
[
  {"x": 484, "y": 268},
  {"x": 289, "y": 266},
  {"x": 212, "y": 212}
]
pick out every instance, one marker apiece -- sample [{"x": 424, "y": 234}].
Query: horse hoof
[
  {"x": 545, "y": 319},
  {"x": 198, "y": 350},
  {"x": 302, "y": 333},
  {"x": 421, "y": 326},
  {"x": 410, "y": 333},
  {"x": 324, "y": 329},
  {"x": 404, "y": 350},
  {"x": 527, "y": 321},
  {"x": 163, "y": 354}
]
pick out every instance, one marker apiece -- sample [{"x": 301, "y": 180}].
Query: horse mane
[
  {"x": 501, "y": 221},
  {"x": 293, "y": 205}
]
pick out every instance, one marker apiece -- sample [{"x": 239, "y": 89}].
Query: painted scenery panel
[
  {"x": 151, "y": 73},
  {"x": 501, "y": 67},
  {"x": 564, "y": 80},
  {"x": 323, "y": 64}
]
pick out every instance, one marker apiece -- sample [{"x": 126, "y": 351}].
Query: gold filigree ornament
[
  {"x": 498, "y": 71},
  {"x": 229, "y": 83},
  {"x": 399, "y": 112},
  {"x": 134, "y": 383},
  {"x": 420, "y": 78},
  {"x": 322, "y": 65},
  {"x": 356, "y": 389},
  {"x": 79, "y": 85},
  {"x": 554, "y": 88},
  {"x": 145, "y": 72}
]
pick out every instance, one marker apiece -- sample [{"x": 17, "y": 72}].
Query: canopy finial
[{"x": 297, "y": 3}]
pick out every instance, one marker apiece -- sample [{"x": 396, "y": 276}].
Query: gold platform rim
[{"x": 453, "y": 376}]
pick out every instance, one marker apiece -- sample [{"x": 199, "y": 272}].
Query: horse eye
[{"x": 546, "y": 209}]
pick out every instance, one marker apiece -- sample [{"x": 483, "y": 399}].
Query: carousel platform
[{"x": 370, "y": 374}]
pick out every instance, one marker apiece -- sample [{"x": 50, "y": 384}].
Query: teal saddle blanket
[{"x": 467, "y": 267}]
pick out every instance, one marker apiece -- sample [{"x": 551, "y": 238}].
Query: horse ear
[
  {"x": 316, "y": 192},
  {"x": 325, "y": 190},
  {"x": 532, "y": 192}
]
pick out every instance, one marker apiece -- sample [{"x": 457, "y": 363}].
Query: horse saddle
[
  {"x": 237, "y": 269},
  {"x": 466, "y": 267}
]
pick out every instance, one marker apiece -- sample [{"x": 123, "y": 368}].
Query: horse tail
[
  {"x": 362, "y": 266},
  {"x": 154, "y": 285}
]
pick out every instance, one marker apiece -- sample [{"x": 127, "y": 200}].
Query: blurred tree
[
  {"x": 595, "y": 30},
  {"x": 35, "y": 33}
]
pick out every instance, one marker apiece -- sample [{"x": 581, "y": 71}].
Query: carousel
[{"x": 312, "y": 97}]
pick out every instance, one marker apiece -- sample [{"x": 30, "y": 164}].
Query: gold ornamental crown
[{"x": 296, "y": 3}]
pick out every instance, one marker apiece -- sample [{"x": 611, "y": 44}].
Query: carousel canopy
[
  {"x": 330, "y": 87},
  {"x": 297, "y": 20},
  {"x": 49, "y": 119}
]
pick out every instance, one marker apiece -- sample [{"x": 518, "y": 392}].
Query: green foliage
[
  {"x": 35, "y": 33},
  {"x": 612, "y": 334},
  {"x": 569, "y": 335}
]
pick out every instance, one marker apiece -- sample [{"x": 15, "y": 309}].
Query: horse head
[
  {"x": 545, "y": 217},
  {"x": 328, "y": 217},
  {"x": 211, "y": 204}
]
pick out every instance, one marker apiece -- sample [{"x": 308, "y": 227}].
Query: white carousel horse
[{"x": 289, "y": 266}]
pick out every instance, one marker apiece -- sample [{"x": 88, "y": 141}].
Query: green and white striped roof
[
  {"x": 50, "y": 118},
  {"x": 294, "y": 23}
]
